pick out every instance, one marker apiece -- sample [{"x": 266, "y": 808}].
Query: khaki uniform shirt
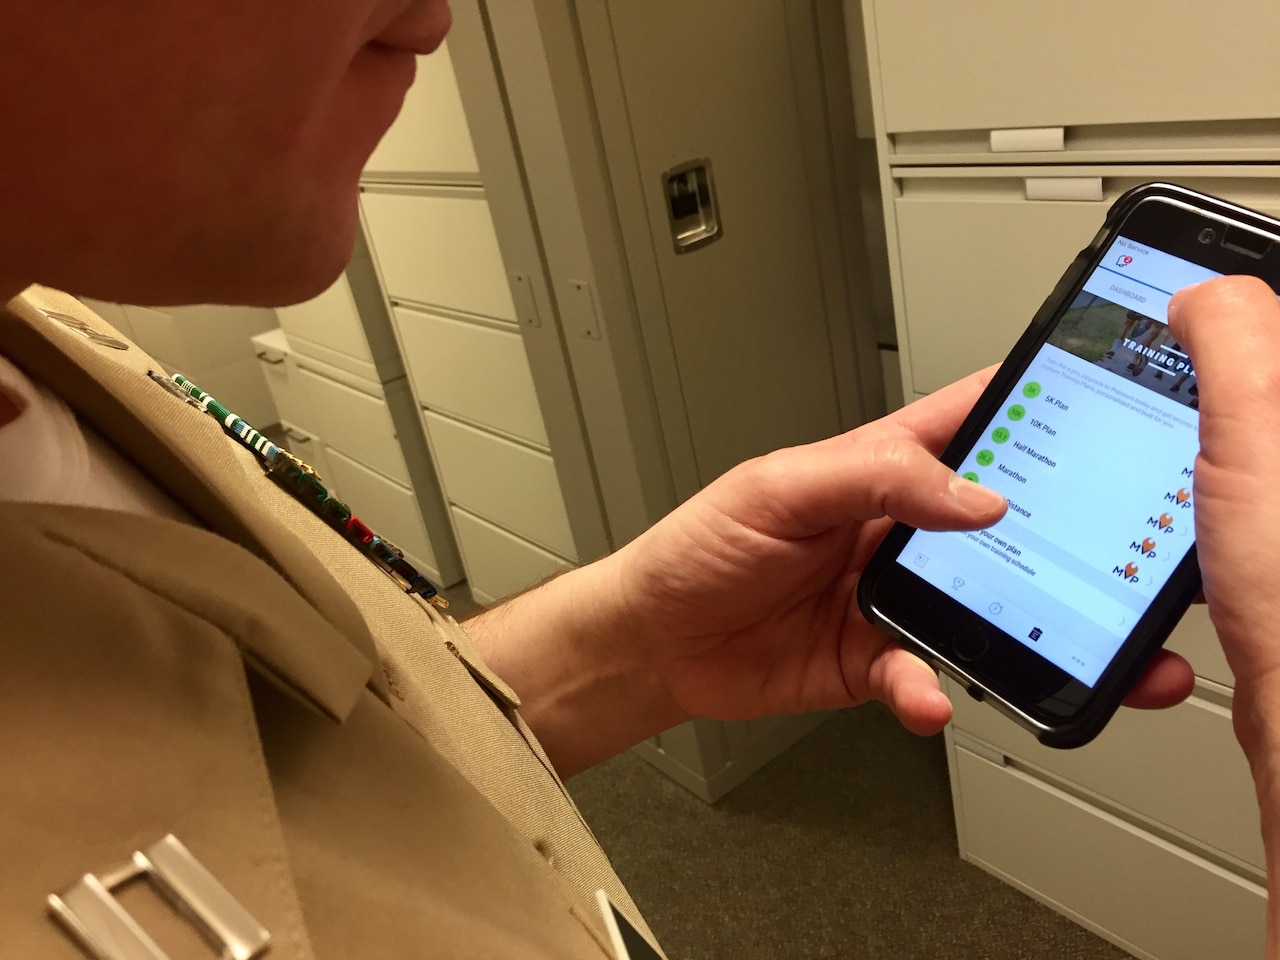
[{"x": 332, "y": 750}]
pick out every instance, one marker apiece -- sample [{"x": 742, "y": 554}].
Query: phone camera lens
[{"x": 1207, "y": 235}]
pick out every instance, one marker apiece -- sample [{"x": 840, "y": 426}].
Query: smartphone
[{"x": 1090, "y": 430}]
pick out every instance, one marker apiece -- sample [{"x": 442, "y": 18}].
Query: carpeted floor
[{"x": 843, "y": 847}]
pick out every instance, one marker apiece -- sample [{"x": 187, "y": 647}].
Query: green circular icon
[
  {"x": 970, "y": 476},
  {"x": 1031, "y": 390},
  {"x": 1017, "y": 412},
  {"x": 1000, "y": 434},
  {"x": 985, "y": 457}
]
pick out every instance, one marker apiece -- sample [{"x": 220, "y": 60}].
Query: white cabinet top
[{"x": 993, "y": 64}]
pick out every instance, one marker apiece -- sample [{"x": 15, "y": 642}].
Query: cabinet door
[
  {"x": 329, "y": 320},
  {"x": 759, "y": 349},
  {"x": 509, "y": 484},
  {"x": 1134, "y": 888},
  {"x": 478, "y": 373},
  {"x": 309, "y": 448},
  {"x": 354, "y": 422},
  {"x": 1009, "y": 63},
  {"x": 387, "y": 507},
  {"x": 977, "y": 258},
  {"x": 499, "y": 563},
  {"x": 1180, "y": 767},
  {"x": 272, "y": 351},
  {"x": 437, "y": 246}
]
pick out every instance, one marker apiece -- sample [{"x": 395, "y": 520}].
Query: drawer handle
[
  {"x": 297, "y": 437},
  {"x": 1029, "y": 140},
  {"x": 1087, "y": 189},
  {"x": 266, "y": 357}
]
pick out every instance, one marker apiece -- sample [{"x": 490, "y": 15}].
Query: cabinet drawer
[
  {"x": 507, "y": 483},
  {"x": 1006, "y": 63},
  {"x": 280, "y": 374},
  {"x": 1139, "y": 891},
  {"x": 977, "y": 258},
  {"x": 198, "y": 337},
  {"x": 500, "y": 564},
  {"x": 1179, "y": 767},
  {"x": 430, "y": 135},
  {"x": 353, "y": 422},
  {"x": 473, "y": 372},
  {"x": 438, "y": 247},
  {"x": 387, "y": 507},
  {"x": 330, "y": 320},
  {"x": 308, "y": 448},
  {"x": 238, "y": 385}
]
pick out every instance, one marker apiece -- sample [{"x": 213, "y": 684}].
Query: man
[{"x": 187, "y": 650}]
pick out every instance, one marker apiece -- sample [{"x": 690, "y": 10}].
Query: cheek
[
  {"x": 243, "y": 161},
  {"x": 341, "y": 126}
]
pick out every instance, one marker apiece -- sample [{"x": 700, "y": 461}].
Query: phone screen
[{"x": 1094, "y": 449}]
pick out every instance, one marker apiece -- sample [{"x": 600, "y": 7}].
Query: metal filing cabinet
[
  {"x": 581, "y": 367},
  {"x": 1003, "y": 131},
  {"x": 429, "y": 225},
  {"x": 346, "y": 409},
  {"x": 209, "y": 344}
]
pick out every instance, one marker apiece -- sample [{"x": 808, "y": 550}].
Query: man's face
[{"x": 167, "y": 151}]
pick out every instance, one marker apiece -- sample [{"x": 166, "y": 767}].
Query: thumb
[
  {"x": 806, "y": 490},
  {"x": 1229, "y": 326}
]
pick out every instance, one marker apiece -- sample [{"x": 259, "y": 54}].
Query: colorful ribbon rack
[{"x": 305, "y": 485}]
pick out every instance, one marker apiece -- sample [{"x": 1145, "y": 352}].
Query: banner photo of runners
[{"x": 1128, "y": 344}]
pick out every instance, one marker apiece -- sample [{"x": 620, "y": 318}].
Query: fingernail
[{"x": 973, "y": 497}]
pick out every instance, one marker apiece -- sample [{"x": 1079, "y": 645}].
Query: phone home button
[{"x": 970, "y": 644}]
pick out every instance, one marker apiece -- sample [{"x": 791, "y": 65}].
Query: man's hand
[
  {"x": 1231, "y": 329},
  {"x": 741, "y": 603},
  {"x": 747, "y": 592}
]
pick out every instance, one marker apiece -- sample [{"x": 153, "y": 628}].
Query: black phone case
[{"x": 1129, "y": 665}]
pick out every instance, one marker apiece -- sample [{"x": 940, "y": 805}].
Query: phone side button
[
  {"x": 971, "y": 644},
  {"x": 975, "y": 691}
]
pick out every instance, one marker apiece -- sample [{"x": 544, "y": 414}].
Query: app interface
[{"x": 1094, "y": 449}]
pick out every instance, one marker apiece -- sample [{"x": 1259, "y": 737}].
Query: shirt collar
[{"x": 188, "y": 455}]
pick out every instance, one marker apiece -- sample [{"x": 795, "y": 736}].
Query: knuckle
[
  {"x": 770, "y": 471},
  {"x": 891, "y": 456}
]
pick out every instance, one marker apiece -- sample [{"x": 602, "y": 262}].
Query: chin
[
  {"x": 251, "y": 265},
  {"x": 291, "y": 279},
  {"x": 287, "y": 266}
]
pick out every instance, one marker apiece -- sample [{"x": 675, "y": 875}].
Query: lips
[
  {"x": 418, "y": 30},
  {"x": 401, "y": 62}
]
